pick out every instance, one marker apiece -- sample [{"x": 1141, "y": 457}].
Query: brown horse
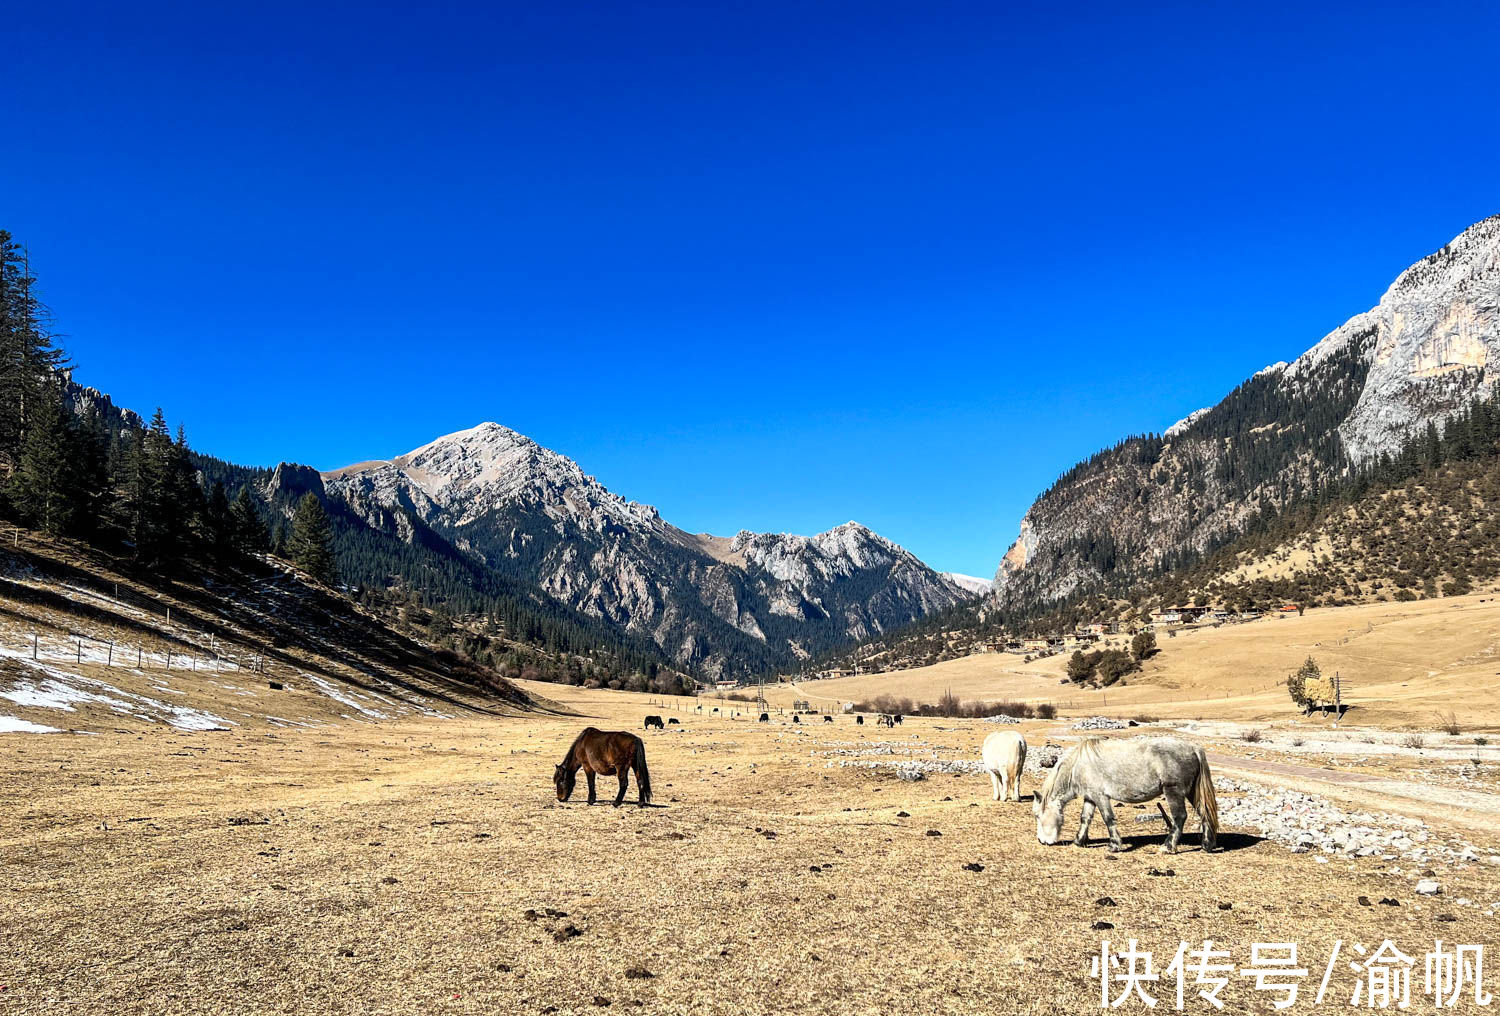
[{"x": 605, "y": 753}]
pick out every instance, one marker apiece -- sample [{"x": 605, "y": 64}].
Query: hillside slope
[
  {"x": 87, "y": 644},
  {"x": 1158, "y": 501}
]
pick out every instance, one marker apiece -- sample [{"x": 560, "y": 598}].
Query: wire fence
[{"x": 211, "y": 656}]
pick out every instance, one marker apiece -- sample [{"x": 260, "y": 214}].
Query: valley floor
[
  {"x": 1403, "y": 665},
  {"x": 424, "y": 866}
]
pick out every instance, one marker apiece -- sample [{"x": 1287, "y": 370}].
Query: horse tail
[
  {"x": 1205, "y": 802},
  {"x": 642, "y": 774}
]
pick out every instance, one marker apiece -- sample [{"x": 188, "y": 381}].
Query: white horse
[
  {"x": 1134, "y": 770},
  {"x": 1004, "y": 754}
]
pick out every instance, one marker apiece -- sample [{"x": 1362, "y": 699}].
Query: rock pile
[
  {"x": 1100, "y": 723},
  {"x": 1306, "y": 823}
]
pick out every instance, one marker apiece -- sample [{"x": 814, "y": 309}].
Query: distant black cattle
[
  {"x": 672, "y": 720},
  {"x": 898, "y": 717},
  {"x": 828, "y": 719},
  {"x": 655, "y": 721},
  {"x": 765, "y": 717},
  {"x": 860, "y": 720},
  {"x": 794, "y": 718},
  {"x": 716, "y": 708}
]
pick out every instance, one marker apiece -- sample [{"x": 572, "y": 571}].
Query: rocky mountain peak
[
  {"x": 714, "y": 604},
  {"x": 1427, "y": 350}
]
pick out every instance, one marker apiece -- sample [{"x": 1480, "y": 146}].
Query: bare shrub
[
  {"x": 1254, "y": 735},
  {"x": 1448, "y": 723},
  {"x": 1481, "y": 741},
  {"x": 1414, "y": 741}
]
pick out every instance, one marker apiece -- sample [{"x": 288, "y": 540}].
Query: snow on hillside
[{"x": 970, "y": 583}]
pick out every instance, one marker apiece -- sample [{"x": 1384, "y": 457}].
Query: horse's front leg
[
  {"x": 1085, "y": 816},
  {"x": 624, "y": 782},
  {"x": 1176, "y": 819},
  {"x": 1107, "y": 810},
  {"x": 590, "y": 774}
]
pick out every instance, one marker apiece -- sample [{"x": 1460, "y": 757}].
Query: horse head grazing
[
  {"x": 1047, "y": 805},
  {"x": 564, "y": 778}
]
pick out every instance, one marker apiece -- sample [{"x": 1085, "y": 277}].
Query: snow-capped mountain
[
  {"x": 719, "y": 605},
  {"x": 972, "y": 583},
  {"x": 1421, "y": 354}
]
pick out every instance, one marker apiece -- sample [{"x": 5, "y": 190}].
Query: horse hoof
[{"x": 1115, "y": 848}]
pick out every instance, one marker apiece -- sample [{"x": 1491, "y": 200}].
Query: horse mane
[
  {"x": 568, "y": 758},
  {"x": 1061, "y": 778}
]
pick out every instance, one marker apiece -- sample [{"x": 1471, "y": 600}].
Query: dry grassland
[
  {"x": 424, "y": 866},
  {"x": 1402, "y": 665}
]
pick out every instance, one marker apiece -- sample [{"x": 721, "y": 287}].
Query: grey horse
[{"x": 1133, "y": 770}]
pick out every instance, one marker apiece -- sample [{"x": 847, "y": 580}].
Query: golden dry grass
[
  {"x": 390, "y": 868},
  {"x": 1402, "y": 664}
]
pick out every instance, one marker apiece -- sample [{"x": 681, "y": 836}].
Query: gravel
[
  {"x": 1100, "y": 723},
  {"x": 1307, "y": 823}
]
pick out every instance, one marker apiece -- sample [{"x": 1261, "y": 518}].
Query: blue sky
[{"x": 772, "y": 268}]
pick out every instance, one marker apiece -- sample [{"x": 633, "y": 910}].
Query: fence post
[
  {"x": 80, "y": 652},
  {"x": 33, "y": 645},
  {"x": 169, "y": 659},
  {"x": 111, "y": 662},
  {"x": 137, "y": 657}
]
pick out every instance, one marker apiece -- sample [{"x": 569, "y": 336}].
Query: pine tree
[
  {"x": 249, "y": 529},
  {"x": 219, "y": 527},
  {"x": 311, "y": 543},
  {"x": 42, "y": 487},
  {"x": 28, "y": 360}
]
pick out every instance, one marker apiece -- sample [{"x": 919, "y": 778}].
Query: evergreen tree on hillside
[
  {"x": 311, "y": 543},
  {"x": 42, "y": 488},
  {"x": 219, "y": 526},
  {"x": 28, "y": 360},
  {"x": 249, "y": 528}
]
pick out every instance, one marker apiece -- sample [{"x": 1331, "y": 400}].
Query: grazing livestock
[
  {"x": 828, "y": 719},
  {"x": 765, "y": 718},
  {"x": 604, "y": 753},
  {"x": 1133, "y": 770},
  {"x": 887, "y": 720},
  {"x": 655, "y": 721},
  {"x": 673, "y": 720},
  {"x": 860, "y": 720},
  {"x": 897, "y": 717},
  {"x": 1004, "y": 755},
  {"x": 794, "y": 718}
]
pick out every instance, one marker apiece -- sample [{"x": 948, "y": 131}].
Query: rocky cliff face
[
  {"x": 1421, "y": 354},
  {"x": 720, "y": 606}
]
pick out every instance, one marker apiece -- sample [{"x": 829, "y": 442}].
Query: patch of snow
[
  {"x": 15, "y": 725},
  {"x": 344, "y": 697},
  {"x": 1184, "y": 423},
  {"x": 62, "y": 690},
  {"x": 969, "y": 583}
]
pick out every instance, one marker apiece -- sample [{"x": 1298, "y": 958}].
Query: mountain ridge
[
  {"x": 534, "y": 515},
  {"x": 1361, "y": 392}
]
